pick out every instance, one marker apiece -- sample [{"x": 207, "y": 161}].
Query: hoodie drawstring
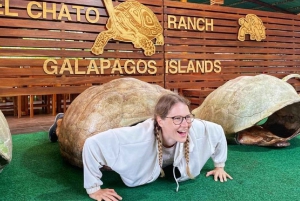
[{"x": 177, "y": 188}]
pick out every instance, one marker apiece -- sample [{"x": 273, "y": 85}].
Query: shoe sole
[{"x": 52, "y": 130}]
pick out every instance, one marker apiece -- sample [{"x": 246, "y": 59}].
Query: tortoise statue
[
  {"x": 118, "y": 103},
  {"x": 5, "y": 142},
  {"x": 254, "y": 110},
  {"x": 133, "y": 22}
]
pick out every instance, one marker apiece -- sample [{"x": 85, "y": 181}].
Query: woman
[{"x": 139, "y": 153}]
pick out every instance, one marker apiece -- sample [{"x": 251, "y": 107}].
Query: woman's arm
[
  {"x": 219, "y": 156},
  {"x": 98, "y": 151}
]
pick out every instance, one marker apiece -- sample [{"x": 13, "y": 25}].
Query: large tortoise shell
[
  {"x": 118, "y": 103},
  {"x": 244, "y": 101},
  {"x": 5, "y": 142}
]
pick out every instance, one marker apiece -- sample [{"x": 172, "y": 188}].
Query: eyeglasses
[{"x": 177, "y": 120}]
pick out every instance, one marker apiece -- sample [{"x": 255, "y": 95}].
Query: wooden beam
[{"x": 269, "y": 6}]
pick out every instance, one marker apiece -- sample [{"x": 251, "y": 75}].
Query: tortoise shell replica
[
  {"x": 5, "y": 142},
  {"x": 133, "y": 22},
  {"x": 254, "y": 110},
  {"x": 118, "y": 103}
]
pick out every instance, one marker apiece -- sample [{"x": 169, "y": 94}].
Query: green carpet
[{"x": 37, "y": 172}]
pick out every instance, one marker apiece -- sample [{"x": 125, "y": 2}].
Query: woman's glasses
[{"x": 179, "y": 119}]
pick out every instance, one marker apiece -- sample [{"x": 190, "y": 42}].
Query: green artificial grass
[{"x": 38, "y": 172}]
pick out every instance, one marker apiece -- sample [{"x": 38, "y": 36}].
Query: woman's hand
[
  {"x": 220, "y": 173},
  {"x": 105, "y": 194}
]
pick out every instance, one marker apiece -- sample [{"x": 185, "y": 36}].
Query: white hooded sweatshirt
[{"x": 132, "y": 152}]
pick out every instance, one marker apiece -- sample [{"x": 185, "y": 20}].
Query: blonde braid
[
  {"x": 158, "y": 136},
  {"x": 187, "y": 156}
]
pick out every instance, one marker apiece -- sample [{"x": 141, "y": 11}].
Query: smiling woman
[{"x": 138, "y": 153}]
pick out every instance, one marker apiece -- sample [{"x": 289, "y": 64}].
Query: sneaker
[{"x": 52, "y": 131}]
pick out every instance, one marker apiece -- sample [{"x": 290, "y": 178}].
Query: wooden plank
[
  {"x": 47, "y": 34},
  {"x": 41, "y": 91},
  {"x": 224, "y": 43},
  {"x": 71, "y": 53},
  {"x": 30, "y": 62},
  {"x": 54, "y": 81},
  {"x": 224, "y": 10},
  {"x": 231, "y": 56},
  {"x": 263, "y": 64},
  {"x": 231, "y": 50},
  {"x": 62, "y": 44},
  {"x": 49, "y": 25}
]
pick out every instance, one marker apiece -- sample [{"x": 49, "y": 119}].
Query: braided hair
[{"x": 162, "y": 108}]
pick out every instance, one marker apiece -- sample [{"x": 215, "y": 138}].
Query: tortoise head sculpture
[
  {"x": 5, "y": 142},
  {"x": 130, "y": 21},
  {"x": 118, "y": 103},
  {"x": 254, "y": 110}
]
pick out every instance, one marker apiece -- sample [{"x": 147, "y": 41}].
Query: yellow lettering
[
  {"x": 117, "y": 67},
  {"x": 172, "y": 21},
  {"x": 182, "y": 23},
  {"x": 54, "y": 67},
  {"x": 152, "y": 65},
  {"x": 199, "y": 27},
  {"x": 179, "y": 67},
  {"x": 6, "y": 9},
  {"x": 209, "y": 24},
  {"x": 173, "y": 67},
  {"x": 142, "y": 69},
  {"x": 191, "y": 67},
  {"x": 127, "y": 65},
  {"x": 64, "y": 12},
  {"x": 92, "y": 67},
  {"x": 45, "y": 10},
  {"x": 87, "y": 15},
  {"x": 103, "y": 66},
  {"x": 29, "y": 9},
  {"x": 192, "y": 23},
  {"x": 78, "y": 8},
  {"x": 208, "y": 66},
  {"x": 167, "y": 66},
  {"x": 1, "y": 12},
  {"x": 200, "y": 66},
  {"x": 66, "y": 67},
  {"x": 217, "y": 68},
  {"x": 77, "y": 72}
]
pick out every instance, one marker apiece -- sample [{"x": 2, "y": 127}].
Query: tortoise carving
[
  {"x": 5, "y": 142},
  {"x": 252, "y": 25},
  {"x": 133, "y": 22},
  {"x": 120, "y": 102},
  {"x": 254, "y": 110}
]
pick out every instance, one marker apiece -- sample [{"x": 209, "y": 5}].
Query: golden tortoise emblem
[
  {"x": 133, "y": 22},
  {"x": 252, "y": 25}
]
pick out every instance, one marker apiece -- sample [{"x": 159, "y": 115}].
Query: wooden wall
[
  {"x": 25, "y": 43},
  {"x": 278, "y": 54}
]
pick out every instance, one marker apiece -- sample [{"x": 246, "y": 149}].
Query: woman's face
[{"x": 172, "y": 133}]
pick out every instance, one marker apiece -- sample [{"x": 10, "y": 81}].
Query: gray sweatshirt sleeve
[{"x": 98, "y": 150}]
